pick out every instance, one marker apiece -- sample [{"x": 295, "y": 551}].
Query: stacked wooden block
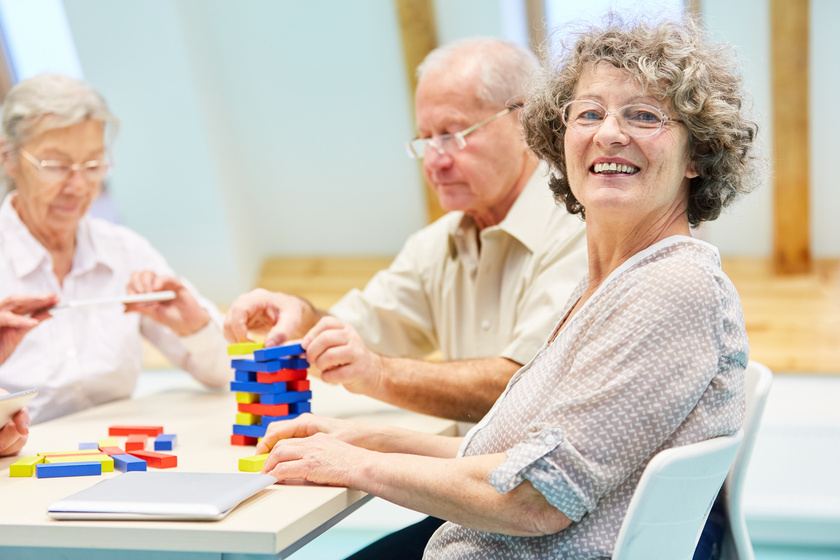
[{"x": 270, "y": 385}]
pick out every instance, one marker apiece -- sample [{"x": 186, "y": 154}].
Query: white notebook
[{"x": 162, "y": 496}]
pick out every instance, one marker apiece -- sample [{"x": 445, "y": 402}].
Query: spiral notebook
[{"x": 162, "y": 496}]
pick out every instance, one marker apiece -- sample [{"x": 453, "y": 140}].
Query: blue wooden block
[
  {"x": 281, "y": 351},
  {"x": 287, "y": 397},
  {"x": 126, "y": 463},
  {"x": 245, "y": 376},
  {"x": 57, "y": 470},
  {"x": 88, "y": 445},
  {"x": 293, "y": 363},
  {"x": 253, "y": 365},
  {"x": 266, "y": 420},
  {"x": 165, "y": 442},
  {"x": 262, "y": 388},
  {"x": 252, "y": 431},
  {"x": 300, "y": 407}
]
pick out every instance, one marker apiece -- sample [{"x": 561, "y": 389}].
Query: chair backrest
[
  {"x": 757, "y": 381},
  {"x": 673, "y": 499}
]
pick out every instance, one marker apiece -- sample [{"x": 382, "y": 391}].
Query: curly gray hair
[
  {"x": 677, "y": 62},
  {"x": 49, "y": 101}
]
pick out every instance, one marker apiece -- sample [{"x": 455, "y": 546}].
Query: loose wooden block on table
[
  {"x": 127, "y": 463},
  {"x": 105, "y": 460},
  {"x": 165, "y": 442},
  {"x": 25, "y": 467},
  {"x": 131, "y": 430},
  {"x": 157, "y": 460},
  {"x": 136, "y": 442},
  {"x": 59, "y": 470}
]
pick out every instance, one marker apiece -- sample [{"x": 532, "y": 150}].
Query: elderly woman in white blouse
[
  {"x": 643, "y": 128},
  {"x": 55, "y": 157}
]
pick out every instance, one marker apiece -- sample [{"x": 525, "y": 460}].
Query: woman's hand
[
  {"x": 183, "y": 314},
  {"x": 314, "y": 448},
  {"x": 19, "y": 314},
  {"x": 341, "y": 355},
  {"x": 15, "y": 433}
]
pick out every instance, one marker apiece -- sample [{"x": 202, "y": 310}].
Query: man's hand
[
  {"x": 183, "y": 314},
  {"x": 15, "y": 432},
  {"x": 280, "y": 317},
  {"x": 19, "y": 314},
  {"x": 337, "y": 350}
]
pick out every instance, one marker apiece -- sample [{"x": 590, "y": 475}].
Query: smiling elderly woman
[
  {"x": 644, "y": 124},
  {"x": 55, "y": 157}
]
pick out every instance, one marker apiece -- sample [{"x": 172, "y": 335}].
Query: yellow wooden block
[
  {"x": 25, "y": 466},
  {"x": 247, "y": 398},
  {"x": 108, "y": 442},
  {"x": 74, "y": 452},
  {"x": 252, "y": 464},
  {"x": 248, "y": 419},
  {"x": 243, "y": 348},
  {"x": 107, "y": 462}
]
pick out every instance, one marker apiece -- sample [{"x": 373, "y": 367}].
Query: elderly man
[{"x": 482, "y": 285}]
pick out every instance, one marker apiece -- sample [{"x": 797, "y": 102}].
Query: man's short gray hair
[
  {"x": 49, "y": 101},
  {"x": 503, "y": 68}
]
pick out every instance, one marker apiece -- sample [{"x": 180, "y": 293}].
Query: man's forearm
[{"x": 462, "y": 390}]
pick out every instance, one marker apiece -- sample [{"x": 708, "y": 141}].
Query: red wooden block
[
  {"x": 112, "y": 451},
  {"x": 136, "y": 442},
  {"x": 281, "y": 375},
  {"x": 264, "y": 409},
  {"x": 237, "y": 439},
  {"x": 157, "y": 460},
  {"x": 300, "y": 385},
  {"x": 130, "y": 430}
]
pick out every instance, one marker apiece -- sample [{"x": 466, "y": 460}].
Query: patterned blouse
[{"x": 655, "y": 359}]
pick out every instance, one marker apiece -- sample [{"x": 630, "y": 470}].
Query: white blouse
[{"x": 86, "y": 356}]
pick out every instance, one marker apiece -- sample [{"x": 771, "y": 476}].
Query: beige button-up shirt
[{"x": 471, "y": 294}]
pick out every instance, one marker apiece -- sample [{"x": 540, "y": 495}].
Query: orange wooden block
[
  {"x": 130, "y": 430},
  {"x": 300, "y": 385},
  {"x": 136, "y": 442},
  {"x": 264, "y": 409},
  {"x": 112, "y": 450},
  {"x": 281, "y": 375},
  {"x": 157, "y": 460},
  {"x": 237, "y": 439}
]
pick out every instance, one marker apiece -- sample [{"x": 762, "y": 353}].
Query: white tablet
[
  {"x": 10, "y": 404},
  {"x": 162, "y": 496}
]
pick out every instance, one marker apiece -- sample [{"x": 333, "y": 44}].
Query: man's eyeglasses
[
  {"x": 638, "y": 120},
  {"x": 451, "y": 143},
  {"x": 55, "y": 171}
]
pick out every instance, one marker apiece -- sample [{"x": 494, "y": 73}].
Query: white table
[{"x": 273, "y": 524}]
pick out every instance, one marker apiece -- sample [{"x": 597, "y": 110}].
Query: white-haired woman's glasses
[{"x": 54, "y": 171}]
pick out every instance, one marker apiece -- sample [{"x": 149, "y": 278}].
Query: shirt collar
[
  {"x": 524, "y": 220},
  {"x": 26, "y": 254}
]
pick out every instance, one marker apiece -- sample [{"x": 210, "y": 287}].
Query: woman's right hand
[{"x": 19, "y": 314}]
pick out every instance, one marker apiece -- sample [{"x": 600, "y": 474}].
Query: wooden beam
[
  {"x": 419, "y": 38},
  {"x": 535, "y": 13},
  {"x": 792, "y": 224},
  {"x": 693, "y": 8}
]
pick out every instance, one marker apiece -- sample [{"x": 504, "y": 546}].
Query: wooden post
[
  {"x": 419, "y": 38},
  {"x": 535, "y": 13},
  {"x": 789, "y": 40}
]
